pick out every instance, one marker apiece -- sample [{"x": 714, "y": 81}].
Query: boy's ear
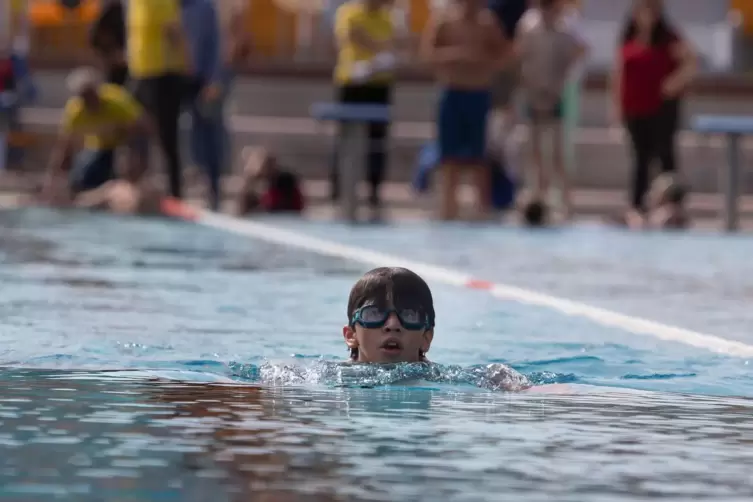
[
  {"x": 349, "y": 333},
  {"x": 428, "y": 338}
]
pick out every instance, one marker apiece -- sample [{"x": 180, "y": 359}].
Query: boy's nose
[{"x": 393, "y": 323}]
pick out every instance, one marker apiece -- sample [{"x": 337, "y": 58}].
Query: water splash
[{"x": 347, "y": 374}]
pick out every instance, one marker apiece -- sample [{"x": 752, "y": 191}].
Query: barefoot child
[
  {"x": 548, "y": 52},
  {"x": 466, "y": 49}
]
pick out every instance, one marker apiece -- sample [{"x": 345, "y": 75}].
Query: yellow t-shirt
[
  {"x": 118, "y": 107},
  {"x": 149, "y": 53},
  {"x": 378, "y": 24},
  {"x": 18, "y": 21}
]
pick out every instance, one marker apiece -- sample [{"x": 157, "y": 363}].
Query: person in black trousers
[
  {"x": 653, "y": 137},
  {"x": 107, "y": 39},
  {"x": 376, "y": 159},
  {"x": 365, "y": 33},
  {"x": 159, "y": 63},
  {"x": 653, "y": 68}
]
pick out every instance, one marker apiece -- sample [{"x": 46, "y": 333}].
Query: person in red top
[
  {"x": 7, "y": 81},
  {"x": 654, "y": 65}
]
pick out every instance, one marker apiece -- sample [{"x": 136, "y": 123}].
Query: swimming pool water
[{"x": 187, "y": 310}]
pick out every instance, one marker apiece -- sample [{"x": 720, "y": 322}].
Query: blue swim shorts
[{"x": 462, "y": 125}]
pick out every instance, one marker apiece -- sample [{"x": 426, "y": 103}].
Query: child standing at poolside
[
  {"x": 466, "y": 48},
  {"x": 548, "y": 51}
]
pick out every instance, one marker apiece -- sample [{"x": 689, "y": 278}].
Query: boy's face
[{"x": 382, "y": 337}]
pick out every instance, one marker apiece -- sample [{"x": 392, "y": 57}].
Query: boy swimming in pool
[
  {"x": 466, "y": 48},
  {"x": 391, "y": 320}
]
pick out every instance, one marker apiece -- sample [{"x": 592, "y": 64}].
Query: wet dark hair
[
  {"x": 661, "y": 34},
  {"x": 391, "y": 286},
  {"x": 535, "y": 213}
]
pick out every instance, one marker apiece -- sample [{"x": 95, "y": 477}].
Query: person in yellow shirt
[
  {"x": 158, "y": 62},
  {"x": 104, "y": 117},
  {"x": 365, "y": 36}
]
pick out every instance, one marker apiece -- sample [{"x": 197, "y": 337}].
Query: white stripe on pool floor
[{"x": 637, "y": 325}]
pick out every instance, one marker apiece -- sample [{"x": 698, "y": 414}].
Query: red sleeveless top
[
  {"x": 6, "y": 74},
  {"x": 644, "y": 69}
]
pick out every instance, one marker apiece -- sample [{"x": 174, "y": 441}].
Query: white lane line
[{"x": 271, "y": 233}]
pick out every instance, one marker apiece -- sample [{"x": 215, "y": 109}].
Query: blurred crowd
[
  {"x": 502, "y": 63},
  {"x": 498, "y": 64}
]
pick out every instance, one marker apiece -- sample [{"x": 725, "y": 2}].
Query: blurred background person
[
  {"x": 107, "y": 37},
  {"x": 503, "y": 119},
  {"x": 14, "y": 47},
  {"x": 159, "y": 62},
  {"x": 106, "y": 117},
  {"x": 465, "y": 49},
  {"x": 207, "y": 91},
  {"x": 653, "y": 67},
  {"x": 365, "y": 37},
  {"x": 572, "y": 18},
  {"x": 548, "y": 53},
  {"x": 236, "y": 41}
]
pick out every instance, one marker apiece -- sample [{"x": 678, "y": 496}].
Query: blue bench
[
  {"x": 352, "y": 145},
  {"x": 734, "y": 127}
]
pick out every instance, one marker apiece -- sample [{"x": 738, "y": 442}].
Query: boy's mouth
[{"x": 391, "y": 346}]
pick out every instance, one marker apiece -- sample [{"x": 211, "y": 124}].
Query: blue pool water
[{"x": 130, "y": 350}]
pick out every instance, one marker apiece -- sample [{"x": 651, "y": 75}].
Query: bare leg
[
  {"x": 541, "y": 178},
  {"x": 482, "y": 182},
  {"x": 558, "y": 165},
  {"x": 448, "y": 204}
]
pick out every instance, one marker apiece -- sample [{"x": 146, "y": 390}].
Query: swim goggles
[{"x": 372, "y": 317}]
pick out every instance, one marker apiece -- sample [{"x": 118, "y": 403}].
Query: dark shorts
[
  {"x": 555, "y": 114},
  {"x": 462, "y": 125},
  {"x": 91, "y": 169}
]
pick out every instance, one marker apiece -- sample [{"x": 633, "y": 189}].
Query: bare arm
[
  {"x": 687, "y": 66},
  {"x": 500, "y": 47},
  {"x": 576, "y": 55},
  {"x": 61, "y": 155},
  {"x": 431, "y": 50},
  {"x": 98, "y": 198},
  {"x": 142, "y": 126},
  {"x": 58, "y": 165},
  {"x": 616, "y": 87}
]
